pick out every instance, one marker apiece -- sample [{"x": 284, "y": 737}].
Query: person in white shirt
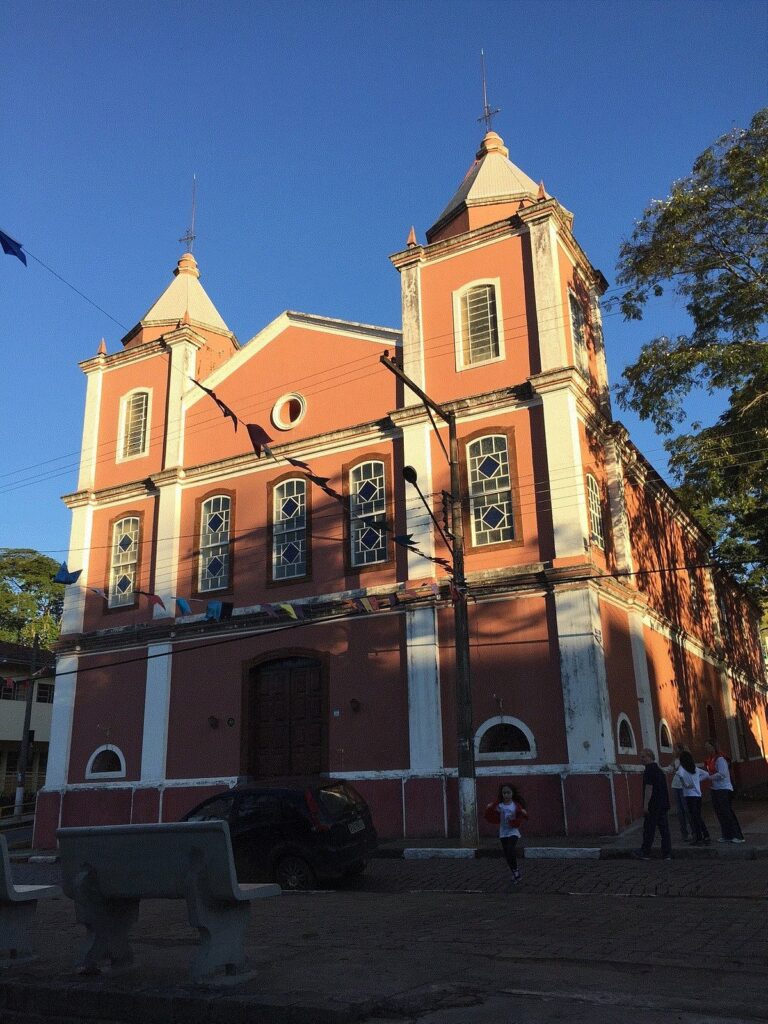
[
  {"x": 691, "y": 777},
  {"x": 722, "y": 794},
  {"x": 678, "y": 795}
]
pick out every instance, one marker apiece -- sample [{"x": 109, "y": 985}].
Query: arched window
[
  {"x": 504, "y": 739},
  {"x": 478, "y": 325},
  {"x": 490, "y": 494},
  {"x": 578, "y": 333},
  {"x": 106, "y": 762},
  {"x": 367, "y": 513},
  {"x": 125, "y": 562},
  {"x": 665, "y": 736},
  {"x": 289, "y": 529},
  {"x": 626, "y": 736},
  {"x": 134, "y": 422},
  {"x": 596, "y": 535},
  {"x": 215, "y": 531}
]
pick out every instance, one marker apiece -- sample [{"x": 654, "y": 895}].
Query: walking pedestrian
[
  {"x": 691, "y": 777},
  {"x": 678, "y": 794},
  {"x": 512, "y": 813},
  {"x": 722, "y": 794},
  {"x": 655, "y": 807}
]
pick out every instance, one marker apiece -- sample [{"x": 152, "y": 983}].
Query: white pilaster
[
  {"x": 89, "y": 449},
  {"x": 729, "y": 706},
  {"x": 413, "y": 340},
  {"x": 156, "y": 707},
  {"x": 61, "y": 721},
  {"x": 79, "y": 558},
  {"x": 417, "y": 452},
  {"x": 585, "y": 689},
  {"x": 424, "y": 715},
  {"x": 642, "y": 682},
  {"x": 566, "y": 472},
  {"x": 183, "y": 350},
  {"x": 548, "y": 293},
  {"x": 622, "y": 545},
  {"x": 167, "y": 546}
]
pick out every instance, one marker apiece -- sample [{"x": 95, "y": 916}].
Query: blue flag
[
  {"x": 64, "y": 575},
  {"x": 12, "y": 248},
  {"x": 183, "y": 606}
]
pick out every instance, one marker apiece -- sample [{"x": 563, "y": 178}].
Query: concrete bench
[
  {"x": 18, "y": 904},
  {"x": 108, "y": 870}
]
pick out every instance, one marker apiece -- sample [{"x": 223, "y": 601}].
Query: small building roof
[{"x": 185, "y": 297}]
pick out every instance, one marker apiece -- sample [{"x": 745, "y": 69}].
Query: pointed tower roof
[
  {"x": 491, "y": 179},
  {"x": 185, "y": 297}
]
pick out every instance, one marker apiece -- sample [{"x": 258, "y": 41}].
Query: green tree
[
  {"x": 708, "y": 242},
  {"x": 30, "y": 602}
]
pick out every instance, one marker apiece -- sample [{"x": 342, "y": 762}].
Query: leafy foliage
[
  {"x": 708, "y": 242},
  {"x": 30, "y": 602}
]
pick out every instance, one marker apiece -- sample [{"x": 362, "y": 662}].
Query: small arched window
[
  {"x": 504, "y": 739},
  {"x": 106, "y": 762},
  {"x": 134, "y": 424},
  {"x": 478, "y": 323},
  {"x": 665, "y": 736},
  {"x": 596, "y": 535},
  {"x": 289, "y": 529},
  {"x": 215, "y": 531},
  {"x": 490, "y": 493},
  {"x": 125, "y": 562},
  {"x": 368, "y": 513},
  {"x": 626, "y": 736}
]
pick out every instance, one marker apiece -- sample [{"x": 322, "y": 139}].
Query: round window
[{"x": 288, "y": 411}]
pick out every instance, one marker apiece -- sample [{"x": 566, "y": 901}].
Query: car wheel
[
  {"x": 357, "y": 869},
  {"x": 294, "y": 873}
]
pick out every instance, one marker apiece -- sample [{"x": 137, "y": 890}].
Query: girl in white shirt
[
  {"x": 691, "y": 777},
  {"x": 511, "y": 808}
]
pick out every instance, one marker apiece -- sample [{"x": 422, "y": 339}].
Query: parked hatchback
[{"x": 294, "y": 833}]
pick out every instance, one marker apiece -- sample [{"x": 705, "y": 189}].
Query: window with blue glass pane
[
  {"x": 124, "y": 563},
  {"x": 368, "y": 511},
  {"x": 289, "y": 530},
  {"x": 215, "y": 529},
  {"x": 490, "y": 490}
]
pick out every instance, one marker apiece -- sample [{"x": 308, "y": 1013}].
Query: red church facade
[{"x": 596, "y": 625}]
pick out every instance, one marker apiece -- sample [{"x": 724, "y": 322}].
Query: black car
[{"x": 294, "y": 833}]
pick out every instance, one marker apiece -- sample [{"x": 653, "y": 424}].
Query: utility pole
[
  {"x": 464, "y": 732},
  {"x": 21, "y": 773}
]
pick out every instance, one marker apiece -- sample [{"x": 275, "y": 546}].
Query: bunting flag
[
  {"x": 289, "y": 610},
  {"x": 153, "y": 599},
  {"x": 100, "y": 592},
  {"x": 12, "y": 248},
  {"x": 393, "y": 600},
  {"x": 269, "y": 609},
  {"x": 223, "y": 406},
  {"x": 298, "y": 464},
  {"x": 65, "y": 576},
  {"x": 259, "y": 438},
  {"x": 182, "y": 606}
]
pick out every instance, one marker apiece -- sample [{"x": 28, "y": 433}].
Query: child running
[{"x": 512, "y": 813}]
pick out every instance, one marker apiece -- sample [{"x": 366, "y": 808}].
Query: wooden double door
[{"x": 287, "y": 719}]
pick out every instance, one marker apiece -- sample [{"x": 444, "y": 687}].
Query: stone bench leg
[
  {"x": 16, "y": 929},
  {"x": 222, "y": 929},
  {"x": 108, "y": 923}
]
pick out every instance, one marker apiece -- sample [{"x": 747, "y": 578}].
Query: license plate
[{"x": 356, "y": 826}]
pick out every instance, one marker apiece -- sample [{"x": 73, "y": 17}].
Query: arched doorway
[{"x": 286, "y": 719}]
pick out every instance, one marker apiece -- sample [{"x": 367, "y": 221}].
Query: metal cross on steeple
[
  {"x": 488, "y": 114},
  {"x": 190, "y": 236}
]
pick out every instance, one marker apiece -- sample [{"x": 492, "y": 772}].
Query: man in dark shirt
[{"x": 655, "y": 807}]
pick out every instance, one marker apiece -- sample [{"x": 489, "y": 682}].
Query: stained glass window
[
  {"x": 215, "y": 519},
  {"x": 125, "y": 560},
  {"x": 490, "y": 491},
  {"x": 289, "y": 530},
  {"x": 368, "y": 511}
]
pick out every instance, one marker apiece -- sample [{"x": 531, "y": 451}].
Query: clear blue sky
[{"x": 319, "y": 133}]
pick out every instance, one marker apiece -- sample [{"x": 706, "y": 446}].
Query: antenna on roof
[
  {"x": 190, "y": 236},
  {"x": 488, "y": 114}
]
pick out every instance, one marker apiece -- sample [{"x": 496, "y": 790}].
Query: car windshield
[
  {"x": 338, "y": 800},
  {"x": 213, "y": 810}
]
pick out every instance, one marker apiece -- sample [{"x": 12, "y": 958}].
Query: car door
[{"x": 256, "y": 829}]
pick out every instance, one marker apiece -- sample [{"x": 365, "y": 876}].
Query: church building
[{"x": 264, "y": 594}]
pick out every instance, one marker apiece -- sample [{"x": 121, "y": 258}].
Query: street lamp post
[{"x": 464, "y": 732}]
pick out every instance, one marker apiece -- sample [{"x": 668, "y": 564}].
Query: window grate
[
  {"x": 215, "y": 522},
  {"x": 289, "y": 530},
  {"x": 125, "y": 560},
  {"x": 368, "y": 511},
  {"x": 479, "y": 325},
  {"x": 135, "y": 424}
]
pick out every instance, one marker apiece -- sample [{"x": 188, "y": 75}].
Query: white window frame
[
  {"x": 505, "y": 755},
  {"x": 213, "y": 549},
  {"x": 476, "y": 500},
  {"x": 91, "y": 774},
  {"x": 664, "y": 724},
  {"x": 122, "y": 425},
  {"x": 301, "y": 530},
  {"x": 625, "y": 750},
  {"x": 116, "y": 568},
  {"x": 576, "y": 311},
  {"x": 358, "y": 521},
  {"x": 458, "y": 296},
  {"x": 595, "y": 509}
]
